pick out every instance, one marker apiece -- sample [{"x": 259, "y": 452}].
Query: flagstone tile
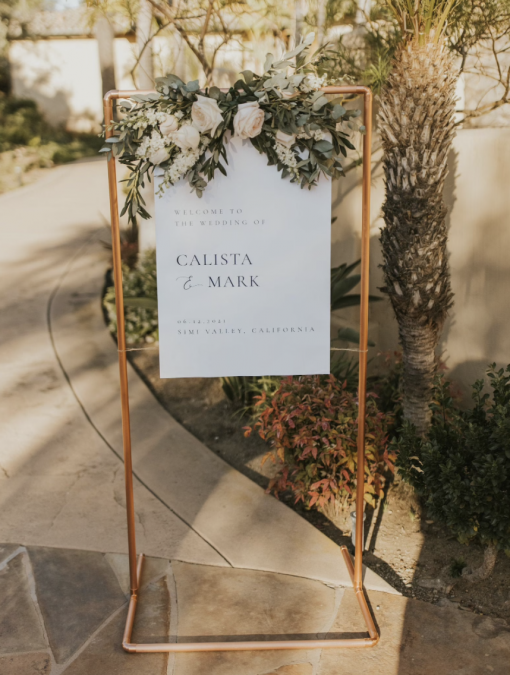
[
  {"x": 77, "y": 591},
  {"x": 6, "y": 550},
  {"x": 418, "y": 638},
  {"x": 293, "y": 669},
  {"x": 20, "y": 625},
  {"x": 229, "y": 603},
  {"x": 26, "y": 664},
  {"x": 104, "y": 654},
  {"x": 151, "y": 569}
]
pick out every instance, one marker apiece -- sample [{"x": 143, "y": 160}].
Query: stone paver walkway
[
  {"x": 63, "y": 611},
  {"x": 223, "y": 557}
]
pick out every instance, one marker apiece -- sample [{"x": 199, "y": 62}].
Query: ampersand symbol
[{"x": 187, "y": 284}]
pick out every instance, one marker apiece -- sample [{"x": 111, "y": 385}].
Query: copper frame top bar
[{"x": 135, "y": 562}]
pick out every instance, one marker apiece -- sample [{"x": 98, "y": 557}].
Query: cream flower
[
  {"x": 206, "y": 114},
  {"x": 287, "y": 140},
  {"x": 186, "y": 138},
  {"x": 168, "y": 124},
  {"x": 159, "y": 156},
  {"x": 289, "y": 94},
  {"x": 248, "y": 120}
]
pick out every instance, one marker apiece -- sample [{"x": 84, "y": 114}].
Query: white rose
[
  {"x": 206, "y": 114},
  {"x": 248, "y": 120},
  {"x": 287, "y": 140},
  {"x": 187, "y": 138},
  {"x": 159, "y": 156},
  {"x": 169, "y": 124}
]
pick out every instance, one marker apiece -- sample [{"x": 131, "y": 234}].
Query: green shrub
[
  {"x": 23, "y": 125},
  {"x": 462, "y": 467},
  {"x": 310, "y": 424},
  {"x": 140, "y": 301}
]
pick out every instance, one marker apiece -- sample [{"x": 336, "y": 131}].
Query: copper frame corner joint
[{"x": 136, "y": 562}]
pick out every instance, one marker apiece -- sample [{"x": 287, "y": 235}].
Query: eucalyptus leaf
[
  {"x": 338, "y": 111},
  {"x": 319, "y": 103},
  {"x": 323, "y": 146},
  {"x": 268, "y": 62}
]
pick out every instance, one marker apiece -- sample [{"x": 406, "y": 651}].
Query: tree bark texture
[
  {"x": 144, "y": 72},
  {"x": 104, "y": 34},
  {"x": 321, "y": 21},
  {"x": 417, "y": 128}
]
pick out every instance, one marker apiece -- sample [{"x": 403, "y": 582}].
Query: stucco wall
[
  {"x": 62, "y": 76},
  {"x": 478, "y": 198}
]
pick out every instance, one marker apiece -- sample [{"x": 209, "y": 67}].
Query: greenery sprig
[{"x": 182, "y": 131}]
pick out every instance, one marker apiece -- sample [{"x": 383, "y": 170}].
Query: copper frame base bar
[
  {"x": 265, "y": 645},
  {"x": 136, "y": 562}
]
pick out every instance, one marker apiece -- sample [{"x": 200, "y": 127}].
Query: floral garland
[{"x": 183, "y": 131}]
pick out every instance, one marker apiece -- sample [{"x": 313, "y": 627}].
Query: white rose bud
[
  {"x": 285, "y": 139},
  {"x": 248, "y": 120},
  {"x": 206, "y": 114},
  {"x": 187, "y": 138},
  {"x": 289, "y": 94},
  {"x": 159, "y": 156},
  {"x": 169, "y": 125}
]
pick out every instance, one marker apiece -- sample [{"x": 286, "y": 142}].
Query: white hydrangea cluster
[
  {"x": 183, "y": 162},
  {"x": 155, "y": 117},
  {"x": 316, "y": 134},
  {"x": 287, "y": 157},
  {"x": 140, "y": 121},
  {"x": 312, "y": 83},
  {"x": 150, "y": 145}
]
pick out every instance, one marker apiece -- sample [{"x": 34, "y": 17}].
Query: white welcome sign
[{"x": 244, "y": 273}]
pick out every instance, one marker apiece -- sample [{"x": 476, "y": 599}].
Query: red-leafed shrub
[{"x": 310, "y": 424}]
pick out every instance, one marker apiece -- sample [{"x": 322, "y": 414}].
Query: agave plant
[{"x": 417, "y": 128}]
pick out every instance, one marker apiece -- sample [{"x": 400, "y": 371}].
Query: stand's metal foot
[{"x": 370, "y": 641}]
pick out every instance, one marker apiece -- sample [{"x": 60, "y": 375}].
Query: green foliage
[
  {"x": 388, "y": 387},
  {"x": 422, "y": 20},
  {"x": 23, "y": 125},
  {"x": 140, "y": 301},
  {"x": 316, "y": 128},
  {"x": 310, "y": 424},
  {"x": 456, "y": 567},
  {"x": 462, "y": 467},
  {"x": 238, "y": 389}
]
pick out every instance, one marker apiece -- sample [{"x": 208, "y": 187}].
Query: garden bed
[{"x": 412, "y": 553}]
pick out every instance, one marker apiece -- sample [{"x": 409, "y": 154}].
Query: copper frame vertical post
[{"x": 135, "y": 563}]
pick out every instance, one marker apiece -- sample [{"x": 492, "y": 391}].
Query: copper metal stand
[{"x": 135, "y": 563}]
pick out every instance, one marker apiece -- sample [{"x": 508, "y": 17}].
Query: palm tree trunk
[{"x": 417, "y": 128}]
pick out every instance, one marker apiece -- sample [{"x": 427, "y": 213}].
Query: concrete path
[{"x": 224, "y": 558}]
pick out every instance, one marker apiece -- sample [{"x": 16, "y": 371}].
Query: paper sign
[{"x": 244, "y": 273}]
